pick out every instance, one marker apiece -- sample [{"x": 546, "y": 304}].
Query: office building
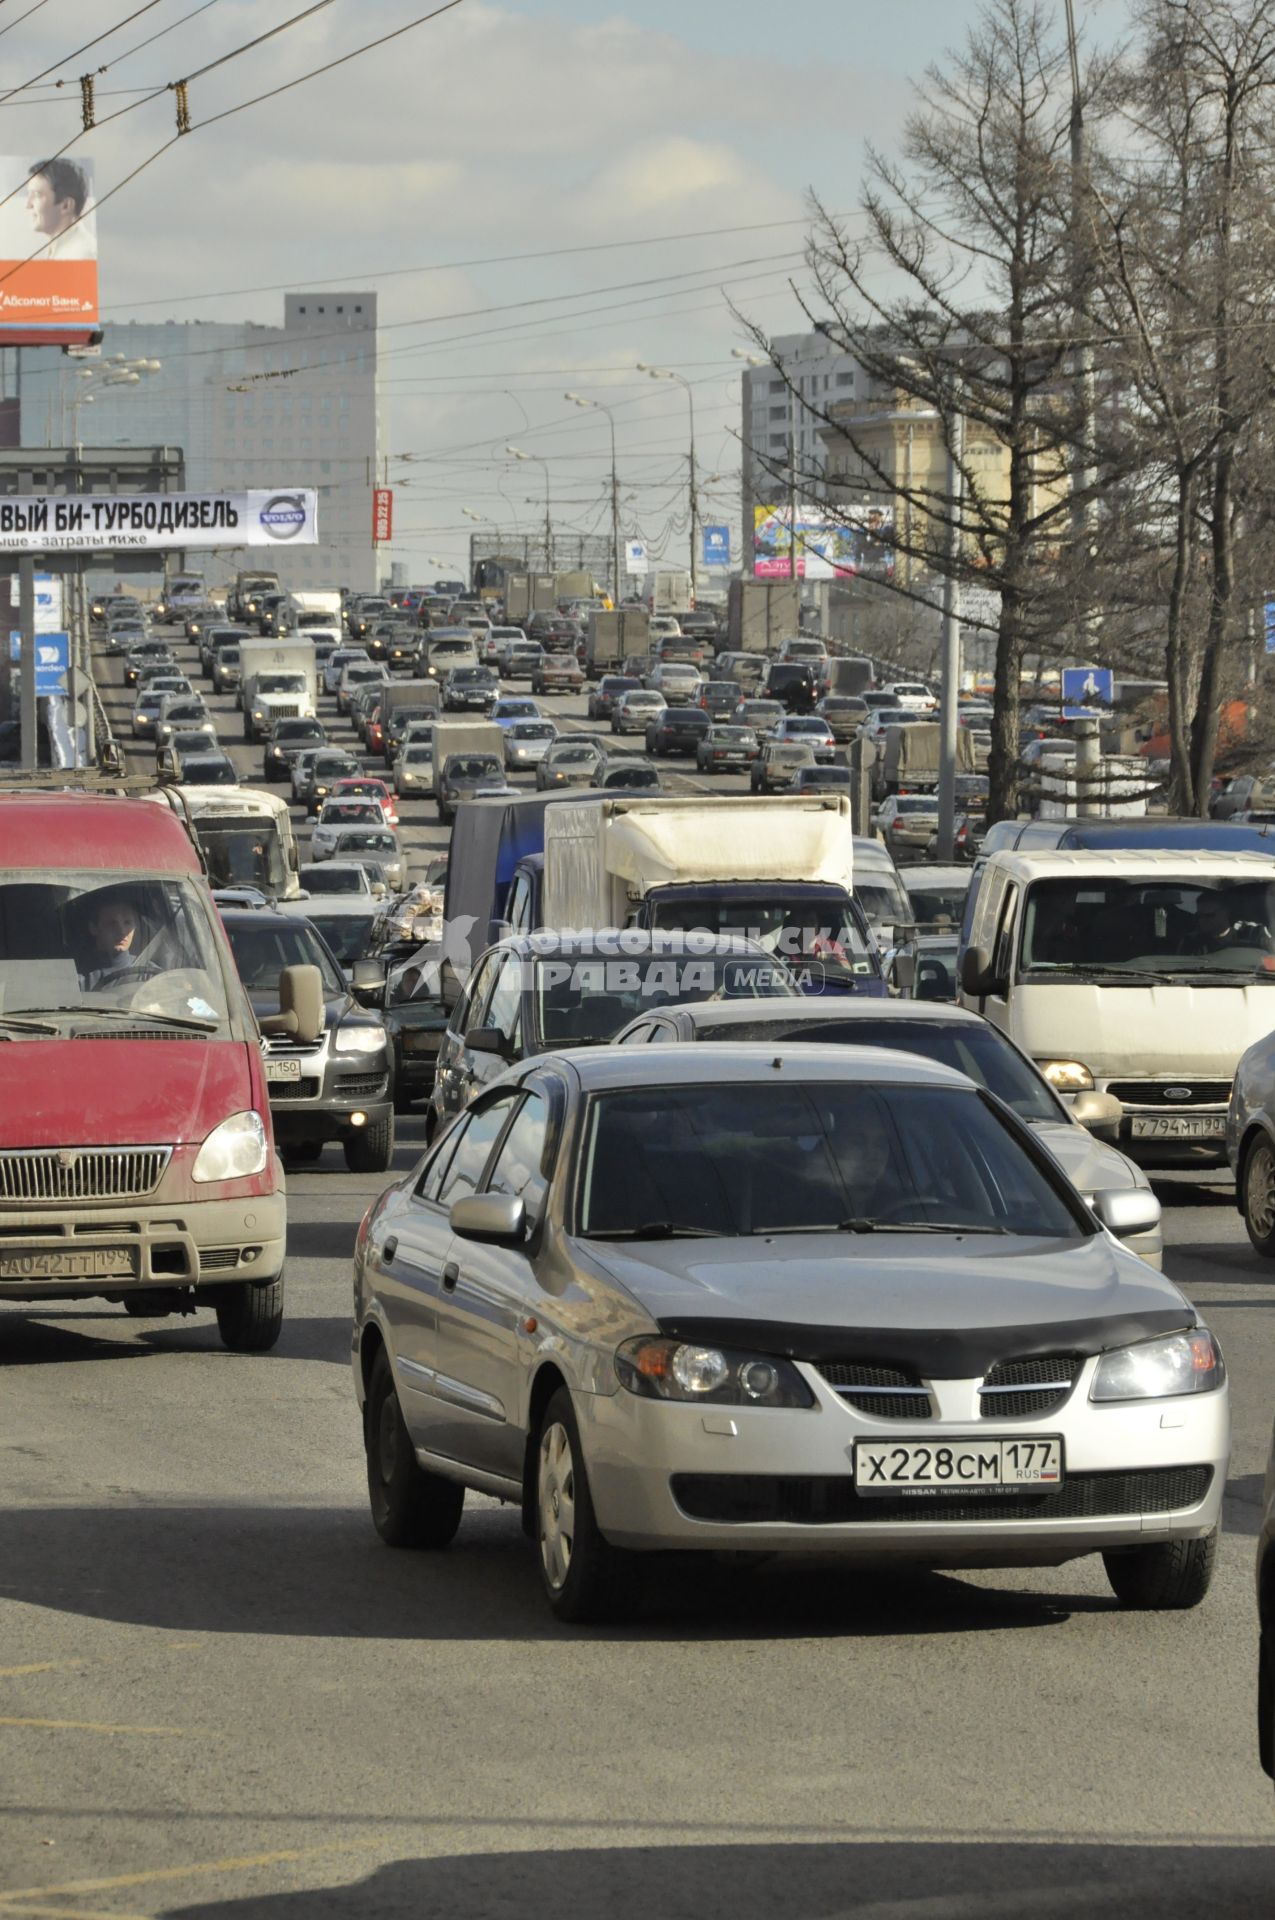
[
  {"x": 789, "y": 409},
  {"x": 251, "y": 406}
]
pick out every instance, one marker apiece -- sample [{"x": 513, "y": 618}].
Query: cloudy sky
[{"x": 589, "y": 133}]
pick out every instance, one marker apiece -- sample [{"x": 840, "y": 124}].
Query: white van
[{"x": 1139, "y": 975}]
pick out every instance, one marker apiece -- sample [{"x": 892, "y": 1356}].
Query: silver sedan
[{"x": 791, "y": 1300}]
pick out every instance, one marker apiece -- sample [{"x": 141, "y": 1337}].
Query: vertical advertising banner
[
  {"x": 382, "y": 516},
  {"x": 48, "y": 252},
  {"x": 717, "y": 546}
]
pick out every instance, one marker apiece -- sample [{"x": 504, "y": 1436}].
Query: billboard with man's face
[{"x": 48, "y": 252}]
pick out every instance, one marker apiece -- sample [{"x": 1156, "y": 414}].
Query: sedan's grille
[
  {"x": 824, "y": 1500},
  {"x": 81, "y": 1173},
  {"x": 1154, "y": 1093},
  {"x": 1013, "y": 1389},
  {"x": 888, "y": 1393}
]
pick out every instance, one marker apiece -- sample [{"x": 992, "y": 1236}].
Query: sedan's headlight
[
  {"x": 1066, "y": 1076},
  {"x": 660, "y": 1369},
  {"x": 1188, "y": 1362},
  {"x": 359, "y": 1039},
  {"x": 234, "y": 1150}
]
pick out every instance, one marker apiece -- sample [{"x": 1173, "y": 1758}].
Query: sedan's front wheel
[
  {"x": 580, "y": 1572},
  {"x": 1167, "y": 1578},
  {"x": 1257, "y": 1196}
]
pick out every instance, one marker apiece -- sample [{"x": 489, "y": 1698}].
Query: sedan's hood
[
  {"x": 947, "y": 1306},
  {"x": 1091, "y": 1165}
]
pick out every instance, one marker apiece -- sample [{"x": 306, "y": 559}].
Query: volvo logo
[
  {"x": 1177, "y": 1093},
  {"x": 283, "y": 517}
]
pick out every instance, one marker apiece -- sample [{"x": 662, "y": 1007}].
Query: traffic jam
[{"x": 894, "y": 1231}]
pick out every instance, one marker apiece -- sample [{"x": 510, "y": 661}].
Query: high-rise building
[
  {"x": 250, "y": 406},
  {"x": 787, "y": 410}
]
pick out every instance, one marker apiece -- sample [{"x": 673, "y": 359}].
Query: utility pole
[
  {"x": 792, "y": 484},
  {"x": 949, "y": 699},
  {"x": 27, "y": 710},
  {"x": 579, "y": 400},
  {"x": 667, "y": 373},
  {"x": 1084, "y": 505}
]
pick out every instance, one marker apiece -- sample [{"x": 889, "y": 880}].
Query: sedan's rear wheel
[
  {"x": 580, "y": 1572},
  {"x": 410, "y": 1508},
  {"x": 1257, "y": 1196},
  {"x": 1167, "y": 1578}
]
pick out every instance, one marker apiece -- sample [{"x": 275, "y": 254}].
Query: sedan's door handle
[
  {"x": 451, "y": 1274},
  {"x": 389, "y": 1250}
]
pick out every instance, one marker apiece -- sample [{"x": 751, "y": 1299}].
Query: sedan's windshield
[
  {"x": 821, "y": 928},
  {"x": 780, "y": 1157},
  {"x": 583, "y": 1001},
  {"x": 1139, "y": 927},
  {"x": 348, "y": 934},
  {"x": 100, "y": 943},
  {"x": 978, "y": 1051},
  {"x": 264, "y": 950}
]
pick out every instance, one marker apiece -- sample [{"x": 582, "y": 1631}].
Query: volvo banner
[{"x": 157, "y": 522}]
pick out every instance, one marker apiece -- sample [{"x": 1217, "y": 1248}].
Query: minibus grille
[{"x": 80, "y": 1174}]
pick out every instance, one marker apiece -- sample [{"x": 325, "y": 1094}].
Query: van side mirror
[
  {"x": 977, "y": 977},
  {"x": 301, "y": 1011},
  {"x": 488, "y": 1040},
  {"x": 903, "y": 971},
  {"x": 367, "y": 982}
]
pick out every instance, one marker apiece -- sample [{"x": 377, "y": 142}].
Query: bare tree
[
  {"x": 1184, "y": 307},
  {"x": 975, "y": 226}
]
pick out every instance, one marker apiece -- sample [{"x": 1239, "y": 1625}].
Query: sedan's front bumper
[{"x": 670, "y": 1475}]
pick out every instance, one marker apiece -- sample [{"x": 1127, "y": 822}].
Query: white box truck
[
  {"x": 320, "y": 608},
  {"x": 776, "y": 868},
  {"x": 278, "y": 681}
]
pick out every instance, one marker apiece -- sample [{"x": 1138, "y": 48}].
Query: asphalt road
[{"x": 221, "y": 1696}]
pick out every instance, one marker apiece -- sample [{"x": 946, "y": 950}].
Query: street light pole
[
  {"x": 518, "y": 454},
  {"x": 578, "y": 400},
  {"x": 951, "y": 642},
  {"x": 667, "y": 373}
]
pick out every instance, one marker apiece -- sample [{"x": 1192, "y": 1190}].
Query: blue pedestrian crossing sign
[
  {"x": 1268, "y": 614},
  {"x": 1086, "y": 689}
]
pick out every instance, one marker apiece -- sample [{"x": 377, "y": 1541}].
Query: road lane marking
[
  {"x": 84, "y": 1726},
  {"x": 72, "y": 1913},
  {"x": 37, "y": 1666}
]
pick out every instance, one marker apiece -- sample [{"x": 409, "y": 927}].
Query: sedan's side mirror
[
  {"x": 498, "y": 1218},
  {"x": 301, "y": 1011},
  {"x": 1101, "y": 1113},
  {"x": 1127, "y": 1210},
  {"x": 488, "y": 1040}
]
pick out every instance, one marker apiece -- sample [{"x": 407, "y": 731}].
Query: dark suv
[
  {"x": 678, "y": 730},
  {"x": 793, "y": 682},
  {"x": 335, "y": 1088}
]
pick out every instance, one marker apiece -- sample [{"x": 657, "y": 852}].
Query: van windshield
[
  {"x": 97, "y": 946},
  {"x": 1132, "y": 930},
  {"x": 242, "y": 852}
]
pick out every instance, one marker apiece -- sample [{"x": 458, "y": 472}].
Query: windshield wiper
[
  {"x": 865, "y": 1224},
  {"x": 132, "y": 1013},
  {"x": 660, "y": 1230},
  {"x": 26, "y": 1026}
]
